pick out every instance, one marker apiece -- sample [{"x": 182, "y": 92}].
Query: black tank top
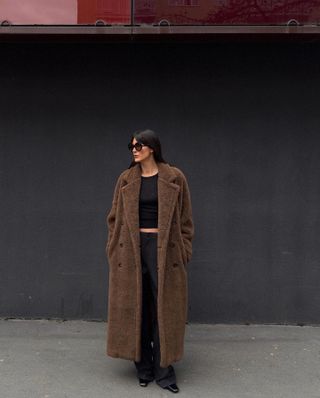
[{"x": 148, "y": 202}]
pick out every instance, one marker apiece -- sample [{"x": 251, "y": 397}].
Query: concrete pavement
[{"x": 66, "y": 359}]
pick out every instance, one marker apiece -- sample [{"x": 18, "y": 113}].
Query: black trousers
[{"x": 149, "y": 366}]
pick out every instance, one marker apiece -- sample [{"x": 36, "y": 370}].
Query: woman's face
[{"x": 145, "y": 153}]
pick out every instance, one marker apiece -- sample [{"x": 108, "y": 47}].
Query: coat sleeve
[
  {"x": 111, "y": 215},
  {"x": 187, "y": 225}
]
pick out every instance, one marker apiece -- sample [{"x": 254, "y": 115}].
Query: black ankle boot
[
  {"x": 172, "y": 387},
  {"x": 143, "y": 382}
]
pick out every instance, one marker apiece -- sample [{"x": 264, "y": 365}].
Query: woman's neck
[{"x": 149, "y": 169}]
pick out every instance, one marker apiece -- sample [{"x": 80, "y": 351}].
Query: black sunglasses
[{"x": 137, "y": 145}]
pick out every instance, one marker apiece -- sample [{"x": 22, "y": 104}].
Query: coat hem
[{"x": 120, "y": 356}]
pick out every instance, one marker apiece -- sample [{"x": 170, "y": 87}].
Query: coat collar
[
  {"x": 168, "y": 192},
  {"x": 165, "y": 172}
]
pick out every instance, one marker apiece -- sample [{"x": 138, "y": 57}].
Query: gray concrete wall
[{"x": 240, "y": 119}]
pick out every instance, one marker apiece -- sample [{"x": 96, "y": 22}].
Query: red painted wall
[
  {"x": 185, "y": 12},
  {"x": 111, "y": 11},
  {"x": 196, "y": 12}
]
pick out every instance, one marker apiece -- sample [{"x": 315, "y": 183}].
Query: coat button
[
  {"x": 119, "y": 265},
  {"x": 175, "y": 264},
  {"x": 121, "y": 244}
]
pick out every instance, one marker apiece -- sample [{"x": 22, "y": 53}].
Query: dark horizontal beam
[
  {"x": 159, "y": 30},
  {"x": 81, "y": 33}
]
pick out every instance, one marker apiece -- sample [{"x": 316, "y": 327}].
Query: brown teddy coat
[{"x": 176, "y": 230}]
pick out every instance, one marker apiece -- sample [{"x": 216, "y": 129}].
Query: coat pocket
[
  {"x": 184, "y": 254},
  {"x": 183, "y": 251},
  {"x": 110, "y": 248}
]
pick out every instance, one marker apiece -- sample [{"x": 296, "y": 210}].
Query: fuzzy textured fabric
[{"x": 176, "y": 231}]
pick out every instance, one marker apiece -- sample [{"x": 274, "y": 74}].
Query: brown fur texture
[{"x": 176, "y": 231}]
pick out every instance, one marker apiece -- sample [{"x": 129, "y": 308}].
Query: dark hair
[{"x": 150, "y": 138}]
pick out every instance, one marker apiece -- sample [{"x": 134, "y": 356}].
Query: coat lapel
[{"x": 168, "y": 193}]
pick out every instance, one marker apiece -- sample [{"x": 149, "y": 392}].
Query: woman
[{"x": 149, "y": 245}]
